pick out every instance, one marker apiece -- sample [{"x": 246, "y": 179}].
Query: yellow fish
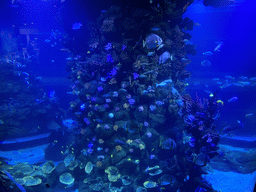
[{"x": 219, "y": 101}]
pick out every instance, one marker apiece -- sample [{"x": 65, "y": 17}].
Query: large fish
[
  {"x": 201, "y": 159},
  {"x": 152, "y": 41}
]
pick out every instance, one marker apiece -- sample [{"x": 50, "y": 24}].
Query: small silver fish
[
  {"x": 208, "y": 53},
  {"x": 142, "y": 76},
  {"x": 168, "y": 81},
  {"x": 206, "y": 63},
  {"x": 155, "y": 28},
  {"x": 25, "y": 73},
  {"x": 249, "y": 114},
  {"x": 150, "y": 54},
  {"x": 229, "y": 77},
  {"x": 232, "y": 99},
  {"x": 162, "y": 84},
  {"x": 160, "y": 46},
  {"x": 226, "y": 85},
  {"x": 218, "y": 47},
  {"x": 76, "y": 26},
  {"x": 238, "y": 84},
  {"x": 244, "y": 82},
  {"x": 120, "y": 142},
  {"x": 243, "y": 77},
  {"x": 103, "y": 79}
]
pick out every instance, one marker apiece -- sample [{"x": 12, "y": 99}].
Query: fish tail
[{"x": 144, "y": 43}]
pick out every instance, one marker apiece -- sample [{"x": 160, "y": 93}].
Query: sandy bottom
[
  {"x": 31, "y": 155},
  {"x": 231, "y": 181}
]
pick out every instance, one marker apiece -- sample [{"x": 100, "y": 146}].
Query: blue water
[{"x": 51, "y": 88}]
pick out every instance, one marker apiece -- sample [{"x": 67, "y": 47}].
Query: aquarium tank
[{"x": 127, "y": 96}]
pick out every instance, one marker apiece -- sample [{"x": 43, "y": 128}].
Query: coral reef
[{"x": 130, "y": 91}]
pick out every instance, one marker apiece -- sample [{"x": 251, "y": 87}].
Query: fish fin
[{"x": 144, "y": 43}]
